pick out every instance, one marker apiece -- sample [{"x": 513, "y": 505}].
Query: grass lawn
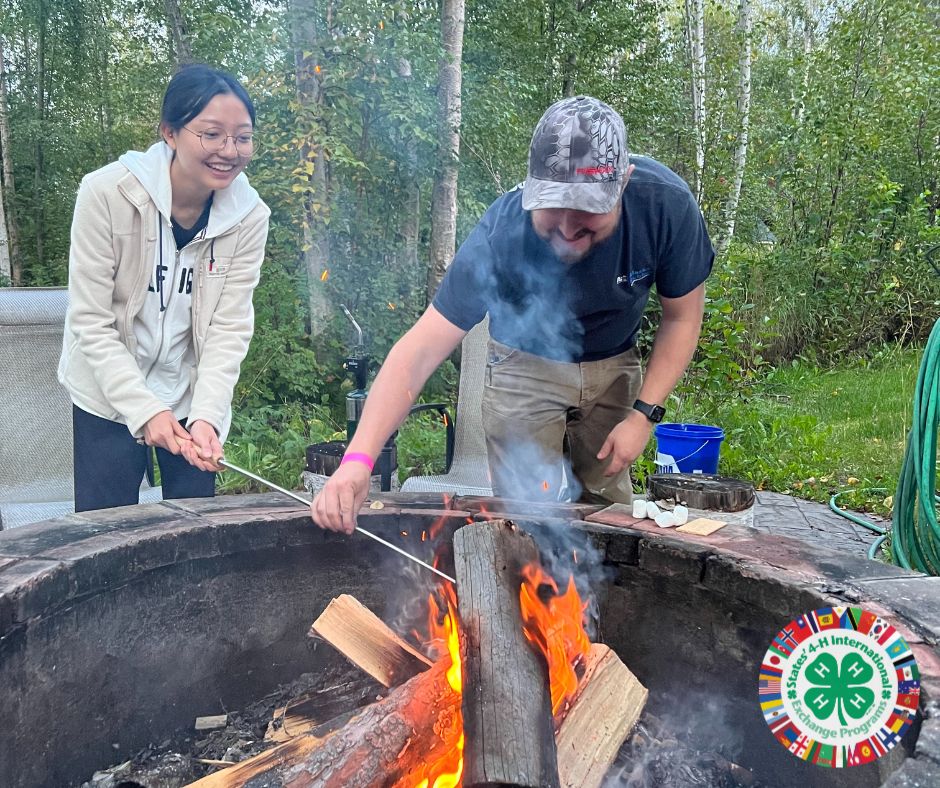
[{"x": 813, "y": 432}]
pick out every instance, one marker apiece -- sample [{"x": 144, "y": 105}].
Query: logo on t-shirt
[{"x": 633, "y": 277}]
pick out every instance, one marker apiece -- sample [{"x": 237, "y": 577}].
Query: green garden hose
[
  {"x": 915, "y": 534},
  {"x": 882, "y": 533}
]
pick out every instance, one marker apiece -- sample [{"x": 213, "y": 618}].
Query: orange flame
[
  {"x": 556, "y": 626},
  {"x": 444, "y": 643},
  {"x": 437, "y": 526},
  {"x": 325, "y": 275}
]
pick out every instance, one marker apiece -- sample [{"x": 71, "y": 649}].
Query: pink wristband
[{"x": 357, "y": 456}]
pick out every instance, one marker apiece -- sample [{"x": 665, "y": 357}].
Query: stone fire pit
[{"x": 119, "y": 627}]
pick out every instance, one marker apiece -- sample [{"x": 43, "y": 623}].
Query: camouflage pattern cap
[{"x": 578, "y": 157}]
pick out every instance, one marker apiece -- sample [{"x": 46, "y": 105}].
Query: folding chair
[
  {"x": 468, "y": 473},
  {"x": 35, "y": 411}
]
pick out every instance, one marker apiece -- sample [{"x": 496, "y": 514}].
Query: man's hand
[
  {"x": 335, "y": 508},
  {"x": 204, "y": 449},
  {"x": 626, "y": 442},
  {"x": 165, "y": 431}
]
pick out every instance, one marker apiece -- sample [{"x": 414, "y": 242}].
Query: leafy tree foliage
[{"x": 841, "y": 175}]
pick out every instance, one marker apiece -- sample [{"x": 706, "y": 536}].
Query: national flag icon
[
  {"x": 896, "y": 721},
  {"x": 876, "y": 743},
  {"x": 886, "y": 635},
  {"x": 826, "y": 618},
  {"x": 865, "y": 621},
  {"x": 800, "y": 747},
  {"x": 825, "y": 755},
  {"x": 862, "y": 753},
  {"x": 897, "y": 648},
  {"x": 889, "y": 734},
  {"x": 787, "y": 734},
  {"x": 910, "y": 698}
]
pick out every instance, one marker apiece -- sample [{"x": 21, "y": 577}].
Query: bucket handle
[{"x": 687, "y": 456}]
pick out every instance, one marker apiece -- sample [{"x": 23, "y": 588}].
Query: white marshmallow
[
  {"x": 652, "y": 510},
  {"x": 665, "y": 520},
  {"x": 681, "y": 513},
  {"x": 639, "y": 507}
]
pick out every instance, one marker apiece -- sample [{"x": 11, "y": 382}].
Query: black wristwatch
[{"x": 655, "y": 413}]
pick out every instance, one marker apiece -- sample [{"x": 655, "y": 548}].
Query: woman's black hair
[{"x": 194, "y": 86}]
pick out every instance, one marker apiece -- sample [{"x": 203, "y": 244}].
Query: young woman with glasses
[{"x": 166, "y": 250}]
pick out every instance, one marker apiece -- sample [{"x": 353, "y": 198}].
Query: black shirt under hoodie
[{"x": 182, "y": 235}]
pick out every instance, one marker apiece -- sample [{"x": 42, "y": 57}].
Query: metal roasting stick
[{"x": 305, "y": 502}]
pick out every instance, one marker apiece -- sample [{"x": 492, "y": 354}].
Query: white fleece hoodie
[
  {"x": 163, "y": 328},
  {"x": 147, "y": 329}
]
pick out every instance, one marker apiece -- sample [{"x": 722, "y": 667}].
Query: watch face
[{"x": 654, "y": 413}]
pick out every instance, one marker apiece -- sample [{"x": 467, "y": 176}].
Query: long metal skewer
[{"x": 305, "y": 502}]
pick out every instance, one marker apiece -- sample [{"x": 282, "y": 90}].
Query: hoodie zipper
[{"x": 166, "y": 306}]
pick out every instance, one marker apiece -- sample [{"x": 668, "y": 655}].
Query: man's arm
[
  {"x": 673, "y": 348},
  {"x": 407, "y": 368}
]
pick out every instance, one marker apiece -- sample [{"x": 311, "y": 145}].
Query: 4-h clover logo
[{"x": 839, "y": 687}]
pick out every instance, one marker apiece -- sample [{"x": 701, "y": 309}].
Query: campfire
[{"x": 510, "y": 690}]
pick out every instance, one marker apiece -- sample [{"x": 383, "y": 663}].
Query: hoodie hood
[{"x": 152, "y": 168}]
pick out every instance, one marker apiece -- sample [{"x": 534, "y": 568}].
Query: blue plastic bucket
[{"x": 688, "y": 448}]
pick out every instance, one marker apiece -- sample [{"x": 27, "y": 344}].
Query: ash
[
  {"x": 653, "y": 757},
  {"x": 178, "y": 761}
]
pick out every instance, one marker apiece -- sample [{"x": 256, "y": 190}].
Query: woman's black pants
[{"x": 109, "y": 466}]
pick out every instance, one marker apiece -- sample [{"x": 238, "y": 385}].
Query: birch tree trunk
[
  {"x": 178, "y": 34},
  {"x": 745, "y": 28},
  {"x": 8, "y": 225},
  {"x": 39, "y": 151},
  {"x": 6, "y": 273},
  {"x": 695, "y": 36},
  {"x": 809, "y": 35},
  {"x": 411, "y": 216},
  {"x": 444, "y": 196},
  {"x": 307, "y": 47}
]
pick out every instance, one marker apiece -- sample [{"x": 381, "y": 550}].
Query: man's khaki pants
[{"x": 545, "y": 422}]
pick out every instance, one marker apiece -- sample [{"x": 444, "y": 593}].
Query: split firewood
[
  {"x": 507, "y": 710},
  {"x": 265, "y": 763},
  {"x": 602, "y": 715},
  {"x": 366, "y": 641}
]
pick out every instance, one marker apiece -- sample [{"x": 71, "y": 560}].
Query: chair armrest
[{"x": 441, "y": 408}]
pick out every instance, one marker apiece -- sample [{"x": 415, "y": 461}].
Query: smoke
[{"x": 530, "y": 298}]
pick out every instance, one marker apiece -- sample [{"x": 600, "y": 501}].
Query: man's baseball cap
[{"x": 578, "y": 157}]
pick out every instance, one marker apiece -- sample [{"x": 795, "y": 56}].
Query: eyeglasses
[{"x": 215, "y": 140}]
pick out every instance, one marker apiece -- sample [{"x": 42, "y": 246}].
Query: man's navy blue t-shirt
[{"x": 590, "y": 309}]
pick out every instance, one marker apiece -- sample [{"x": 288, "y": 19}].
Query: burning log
[
  {"x": 605, "y": 710},
  {"x": 390, "y": 741},
  {"x": 365, "y": 640},
  {"x": 507, "y": 711}
]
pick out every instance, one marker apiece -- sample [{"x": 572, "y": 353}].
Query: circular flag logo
[{"x": 839, "y": 687}]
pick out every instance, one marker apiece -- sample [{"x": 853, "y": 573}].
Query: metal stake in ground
[{"x": 305, "y": 502}]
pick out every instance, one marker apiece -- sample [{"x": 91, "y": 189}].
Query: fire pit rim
[{"x": 50, "y": 565}]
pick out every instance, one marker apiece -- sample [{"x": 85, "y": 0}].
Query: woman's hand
[
  {"x": 165, "y": 431},
  {"x": 205, "y": 448}
]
